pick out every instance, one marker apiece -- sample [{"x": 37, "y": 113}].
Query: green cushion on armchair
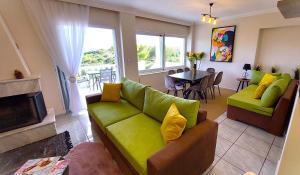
[
  {"x": 157, "y": 104},
  {"x": 256, "y": 76}
]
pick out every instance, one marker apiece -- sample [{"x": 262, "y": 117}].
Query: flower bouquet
[{"x": 194, "y": 57}]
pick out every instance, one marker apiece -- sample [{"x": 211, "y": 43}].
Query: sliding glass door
[{"x": 99, "y": 61}]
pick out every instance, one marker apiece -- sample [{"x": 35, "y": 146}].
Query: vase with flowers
[{"x": 195, "y": 59}]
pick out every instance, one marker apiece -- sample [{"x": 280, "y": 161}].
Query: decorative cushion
[
  {"x": 157, "y": 105},
  {"x": 111, "y": 92},
  {"x": 270, "y": 96},
  {"x": 133, "y": 92},
  {"x": 286, "y": 76},
  {"x": 137, "y": 138},
  {"x": 107, "y": 113},
  {"x": 173, "y": 124},
  {"x": 282, "y": 84},
  {"x": 267, "y": 80},
  {"x": 256, "y": 76},
  {"x": 259, "y": 91}
]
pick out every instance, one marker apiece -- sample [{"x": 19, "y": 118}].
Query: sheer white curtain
[{"x": 61, "y": 27}]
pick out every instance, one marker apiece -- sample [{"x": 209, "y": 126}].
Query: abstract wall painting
[{"x": 222, "y": 42}]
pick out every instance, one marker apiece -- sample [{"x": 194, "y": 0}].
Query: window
[
  {"x": 151, "y": 56},
  {"x": 174, "y": 51},
  {"x": 149, "y": 52}
]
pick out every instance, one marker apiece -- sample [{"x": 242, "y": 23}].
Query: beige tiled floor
[{"x": 240, "y": 147}]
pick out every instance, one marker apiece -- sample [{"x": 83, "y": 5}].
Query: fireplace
[{"x": 21, "y": 110}]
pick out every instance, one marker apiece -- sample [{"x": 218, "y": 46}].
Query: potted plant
[
  {"x": 258, "y": 67},
  {"x": 297, "y": 72},
  {"x": 274, "y": 69},
  {"x": 194, "y": 57}
]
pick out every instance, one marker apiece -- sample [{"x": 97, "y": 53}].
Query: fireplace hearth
[{"x": 21, "y": 110}]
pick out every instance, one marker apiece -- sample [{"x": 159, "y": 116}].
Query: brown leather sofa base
[
  {"x": 275, "y": 124},
  {"x": 192, "y": 154}
]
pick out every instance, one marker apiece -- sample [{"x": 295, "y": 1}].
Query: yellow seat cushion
[
  {"x": 259, "y": 91},
  {"x": 267, "y": 79},
  {"x": 111, "y": 92},
  {"x": 173, "y": 124}
]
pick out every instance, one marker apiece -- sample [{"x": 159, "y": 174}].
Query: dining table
[
  {"x": 93, "y": 76},
  {"x": 190, "y": 76}
]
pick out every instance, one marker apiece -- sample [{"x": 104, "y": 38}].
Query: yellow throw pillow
[
  {"x": 260, "y": 91},
  {"x": 173, "y": 124},
  {"x": 111, "y": 92},
  {"x": 267, "y": 80}
]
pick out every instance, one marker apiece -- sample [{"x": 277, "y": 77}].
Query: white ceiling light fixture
[{"x": 208, "y": 18}]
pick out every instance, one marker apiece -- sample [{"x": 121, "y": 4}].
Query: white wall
[
  {"x": 31, "y": 48},
  {"x": 128, "y": 44},
  {"x": 279, "y": 47},
  {"x": 245, "y": 46},
  {"x": 290, "y": 161},
  {"x": 9, "y": 57}
]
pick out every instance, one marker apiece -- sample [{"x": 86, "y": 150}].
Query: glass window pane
[
  {"x": 174, "y": 51},
  {"x": 148, "y": 52}
]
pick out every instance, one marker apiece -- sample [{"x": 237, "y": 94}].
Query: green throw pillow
[
  {"x": 133, "y": 92},
  {"x": 282, "y": 84},
  {"x": 286, "y": 76},
  {"x": 270, "y": 96},
  {"x": 157, "y": 105},
  {"x": 256, "y": 76}
]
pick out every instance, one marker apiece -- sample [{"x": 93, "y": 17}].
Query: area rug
[
  {"x": 58, "y": 145},
  {"x": 91, "y": 158}
]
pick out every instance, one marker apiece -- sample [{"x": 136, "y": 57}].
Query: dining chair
[
  {"x": 186, "y": 69},
  {"x": 179, "y": 70},
  {"x": 210, "y": 70},
  {"x": 182, "y": 82},
  {"x": 200, "y": 88},
  {"x": 171, "y": 85},
  {"x": 218, "y": 81},
  {"x": 105, "y": 76},
  {"x": 210, "y": 84},
  {"x": 170, "y": 72}
]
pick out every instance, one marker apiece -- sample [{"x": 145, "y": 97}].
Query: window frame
[{"x": 163, "y": 55}]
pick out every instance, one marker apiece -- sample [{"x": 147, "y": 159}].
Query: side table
[{"x": 242, "y": 82}]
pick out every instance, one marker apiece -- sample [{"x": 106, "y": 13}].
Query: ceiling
[{"x": 190, "y": 10}]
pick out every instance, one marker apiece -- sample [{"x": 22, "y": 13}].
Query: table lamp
[{"x": 246, "y": 68}]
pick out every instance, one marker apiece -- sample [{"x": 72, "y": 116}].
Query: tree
[
  {"x": 101, "y": 56},
  {"x": 172, "y": 54},
  {"x": 147, "y": 54}
]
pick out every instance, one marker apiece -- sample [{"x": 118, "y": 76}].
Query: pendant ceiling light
[{"x": 208, "y": 18}]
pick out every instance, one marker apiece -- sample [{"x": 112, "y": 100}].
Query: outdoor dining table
[
  {"x": 93, "y": 74},
  {"x": 191, "y": 77}
]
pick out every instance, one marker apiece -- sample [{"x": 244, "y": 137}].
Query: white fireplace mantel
[{"x": 19, "y": 86}]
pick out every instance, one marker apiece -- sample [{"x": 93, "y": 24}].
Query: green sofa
[
  {"x": 272, "y": 111},
  {"x": 130, "y": 129}
]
